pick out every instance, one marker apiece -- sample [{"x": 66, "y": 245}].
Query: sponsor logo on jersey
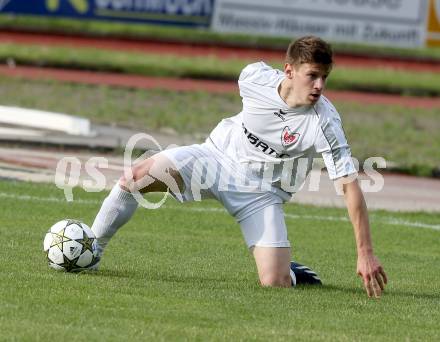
[
  {"x": 280, "y": 114},
  {"x": 261, "y": 145},
  {"x": 288, "y": 137}
]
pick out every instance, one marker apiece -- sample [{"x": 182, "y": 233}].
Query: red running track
[
  {"x": 155, "y": 47},
  {"x": 134, "y": 81}
]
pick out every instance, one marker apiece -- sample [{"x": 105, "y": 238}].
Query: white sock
[{"x": 116, "y": 210}]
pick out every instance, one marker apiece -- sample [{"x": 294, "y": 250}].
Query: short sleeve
[
  {"x": 332, "y": 144},
  {"x": 258, "y": 82}
]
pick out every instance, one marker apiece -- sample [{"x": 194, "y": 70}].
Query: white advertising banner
[{"x": 384, "y": 22}]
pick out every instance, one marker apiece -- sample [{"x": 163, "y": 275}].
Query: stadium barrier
[
  {"x": 37, "y": 119},
  {"x": 400, "y": 23}
]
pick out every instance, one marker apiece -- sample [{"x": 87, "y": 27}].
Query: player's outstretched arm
[{"x": 368, "y": 266}]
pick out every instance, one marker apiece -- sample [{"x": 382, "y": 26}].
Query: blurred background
[{"x": 86, "y": 75}]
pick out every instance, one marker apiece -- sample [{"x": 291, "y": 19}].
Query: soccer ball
[{"x": 70, "y": 246}]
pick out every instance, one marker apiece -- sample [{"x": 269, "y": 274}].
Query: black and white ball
[{"x": 71, "y": 246}]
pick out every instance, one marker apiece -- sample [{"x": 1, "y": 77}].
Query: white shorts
[
  {"x": 265, "y": 228},
  {"x": 207, "y": 173}
]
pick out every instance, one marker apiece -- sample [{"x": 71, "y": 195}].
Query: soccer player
[{"x": 255, "y": 161}]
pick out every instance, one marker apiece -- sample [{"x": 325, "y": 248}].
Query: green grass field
[
  {"x": 404, "y": 82},
  {"x": 183, "y": 273}
]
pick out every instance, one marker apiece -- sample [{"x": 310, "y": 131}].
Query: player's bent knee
[
  {"x": 137, "y": 178},
  {"x": 154, "y": 174},
  {"x": 275, "y": 280}
]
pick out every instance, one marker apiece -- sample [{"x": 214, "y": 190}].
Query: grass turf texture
[
  {"x": 189, "y": 35},
  {"x": 211, "y": 67},
  {"x": 407, "y": 138},
  {"x": 180, "y": 274}
]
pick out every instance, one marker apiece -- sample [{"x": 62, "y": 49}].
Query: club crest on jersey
[{"x": 288, "y": 137}]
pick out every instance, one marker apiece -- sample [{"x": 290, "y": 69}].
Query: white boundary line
[{"x": 391, "y": 220}]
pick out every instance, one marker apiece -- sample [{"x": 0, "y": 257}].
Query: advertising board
[
  {"x": 168, "y": 12},
  {"x": 383, "y": 22}
]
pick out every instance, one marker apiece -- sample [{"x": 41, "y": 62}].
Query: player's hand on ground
[{"x": 372, "y": 274}]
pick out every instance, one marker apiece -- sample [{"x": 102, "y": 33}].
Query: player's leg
[
  {"x": 155, "y": 174},
  {"x": 273, "y": 265},
  {"x": 265, "y": 234},
  {"x": 272, "y": 271}
]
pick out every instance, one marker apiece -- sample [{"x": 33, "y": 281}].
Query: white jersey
[{"x": 269, "y": 135}]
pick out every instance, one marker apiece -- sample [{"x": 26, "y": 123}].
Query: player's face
[{"x": 307, "y": 81}]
